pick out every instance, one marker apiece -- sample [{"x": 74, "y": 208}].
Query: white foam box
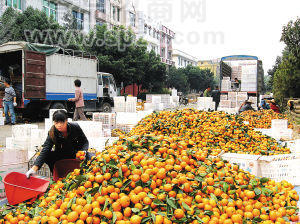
[
  {"x": 21, "y": 143},
  {"x": 126, "y": 118},
  {"x": 223, "y": 97},
  {"x": 6, "y": 169},
  {"x": 91, "y": 129},
  {"x": 9, "y": 143},
  {"x": 248, "y": 163},
  {"x": 148, "y": 106},
  {"x": 279, "y": 124},
  {"x": 225, "y": 104},
  {"x": 293, "y": 145},
  {"x": 23, "y": 130},
  {"x": 11, "y": 156},
  {"x": 232, "y": 95},
  {"x": 2, "y": 120},
  {"x": 142, "y": 114},
  {"x": 278, "y": 134},
  {"x": 174, "y": 92},
  {"x": 281, "y": 167}
]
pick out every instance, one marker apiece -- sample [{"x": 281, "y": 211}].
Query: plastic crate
[
  {"x": 125, "y": 127},
  {"x": 281, "y": 167},
  {"x": 44, "y": 171}
]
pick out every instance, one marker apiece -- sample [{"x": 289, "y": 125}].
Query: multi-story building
[
  {"x": 80, "y": 10},
  {"x": 183, "y": 59},
  {"x": 166, "y": 45},
  {"x": 149, "y": 30}
]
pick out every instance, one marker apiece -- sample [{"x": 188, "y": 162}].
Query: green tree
[
  {"x": 178, "y": 79},
  {"x": 199, "y": 79},
  {"x": 287, "y": 71}
]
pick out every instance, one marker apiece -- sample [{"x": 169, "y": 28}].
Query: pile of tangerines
[
  {"x": 165, "y": 171},
  {"x": 262, "y": 118}
]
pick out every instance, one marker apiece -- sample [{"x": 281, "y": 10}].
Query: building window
[
  {"x": 145, "y": 29},
  {"x": 114, "y": 12},
  {"x": 101, "y": 5},
  {"x": 17, "y": 4},
  {"x": 170, "y": 55},
  {"x": 162, "y": 52},
  {"x": 78, "y": 20},
  {"x": 149, "y": 31},
  {"x": 179, "y": 61},
  {"x": 118, "y": 14},
  {"x": 154, "y": 33},
  {"x": 132, "y": 19},
  {"x": 50, "y": 9},
  {"x": 158, "y": 35}
]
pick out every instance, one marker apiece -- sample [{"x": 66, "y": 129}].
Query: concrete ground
[{"x": 5, "y": 131}]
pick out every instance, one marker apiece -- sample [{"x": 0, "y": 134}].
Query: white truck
[{"x": 43, "y": 77}]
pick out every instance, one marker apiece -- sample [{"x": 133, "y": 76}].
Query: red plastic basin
[
  {"x": 18, "y": 188},
  {"x": 63, "y": 167}
]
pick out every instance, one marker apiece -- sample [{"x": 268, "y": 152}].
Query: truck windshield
[{"x": 105, "y": 81}]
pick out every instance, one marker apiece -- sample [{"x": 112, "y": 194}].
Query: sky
[{"x": 210, "y": 29}]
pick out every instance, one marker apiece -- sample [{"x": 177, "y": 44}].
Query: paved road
[{"x": 5, "y": 131}]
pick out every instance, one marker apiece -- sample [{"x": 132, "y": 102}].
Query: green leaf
[
  {"x": 213, "y": 197},
  {"x": 266, "y": 191},
  {"x": 89, "y": 199},
  {"x": 114, "y": 218},
  {"x": 126, "y": 184},
  {"x": 264, "y": 180},
  {"x": 199, "y": 219},
  {"x": 146, "y": 219},
  {"x": 105, "y": 204},
  {"x": 185, "y": 206},
  {"x": 171, "y": 203},
  {"x": 257, "y": 191},
  {"x": 225, "y": 187},
  {"x": 135, "y": 210},
  {"x": 94, "y": 190},
  {"x": 209, "y": 213},
  {"x": 253, "y": 182},
  {"x": 158, "y": 202},
  {"x": 257, "y": 219}
]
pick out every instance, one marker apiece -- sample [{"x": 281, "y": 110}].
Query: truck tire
[
  {"x": 106, "y": 107},
  {"x": 58, "y": 106}
]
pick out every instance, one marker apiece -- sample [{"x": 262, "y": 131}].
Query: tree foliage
[
  {"x": 286, "y": 72},
  {"x": 190, "y": 78}
]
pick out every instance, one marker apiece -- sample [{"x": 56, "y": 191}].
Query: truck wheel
[
  {"x": 58, "y": 106},
  {"x": 106, "y": 108}
]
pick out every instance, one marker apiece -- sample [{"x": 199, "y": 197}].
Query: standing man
[
  {"x": 216, "y": 95},
  {"x": 9, "y": 102},
  {"x": 237, "y": 84},
  {"x": 207, "y": 92},
  {"x": 79, "y": 103}
]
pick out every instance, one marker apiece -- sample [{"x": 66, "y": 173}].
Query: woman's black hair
[
  {"x": 60, "y": 116},
  {"x": 77, "y": 83}
]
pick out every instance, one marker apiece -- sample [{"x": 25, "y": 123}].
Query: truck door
[
  {"x": 99, "y": 86},
  {"x": 35, "y": 75},
  {"x": 112, "y": 87}
]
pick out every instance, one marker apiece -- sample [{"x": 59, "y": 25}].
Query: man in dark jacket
[
  {"x": 63, "y": 142},
  {"x": 216, "y": 95}
]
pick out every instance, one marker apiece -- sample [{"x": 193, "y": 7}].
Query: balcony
[
  {"x": 100, "y": 15},
  {"x": 167, "y": 61}
]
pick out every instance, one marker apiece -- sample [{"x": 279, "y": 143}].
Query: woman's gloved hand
[{"x": 30, "y": 173}]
